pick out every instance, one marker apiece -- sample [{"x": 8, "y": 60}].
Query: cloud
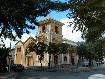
[
  {"x": 67, "y": 31},
  {"x": 25, "y": 36}
]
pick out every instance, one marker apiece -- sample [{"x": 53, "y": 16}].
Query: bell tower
[{"x": 51, "y": 29}]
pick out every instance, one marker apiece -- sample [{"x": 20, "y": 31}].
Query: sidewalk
[
  {"x": 91, "y": 68},
  {"x": 7, "y": 75}
]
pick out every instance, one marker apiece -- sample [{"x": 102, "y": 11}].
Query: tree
[
  {"x": 4, "y": 52},
  {"x": 30, "y": 48},
  {"x": 52, "y": 49},
  {"x": 92, "y": 51},
  {"x": 41, "y": 49},
  {"x": 99, "y": 50},
  {"x": 86, "y": 51},
  {"x": 56, "y": 49},
  {"x": 81, "y": 50},
  {"x": 89, "y": 17},
  {"x": 15, "y": 14},
  {"x": 63, "y": 48},
  {"x": 91, "y": 54}
]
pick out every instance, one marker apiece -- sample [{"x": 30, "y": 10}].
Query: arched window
[{"x": 65, "y": 58}]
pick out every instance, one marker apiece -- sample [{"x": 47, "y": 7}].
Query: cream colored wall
[{"x": 18, "y": 55}]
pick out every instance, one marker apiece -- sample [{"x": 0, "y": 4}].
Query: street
[{"x": 100, "y": 74}]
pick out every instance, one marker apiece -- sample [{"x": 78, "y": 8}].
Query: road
[{"x": 61, "y": 75}]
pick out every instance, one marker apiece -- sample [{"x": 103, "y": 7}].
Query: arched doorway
[{"x": 55, "y": 59}]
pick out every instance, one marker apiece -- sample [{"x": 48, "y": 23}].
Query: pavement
[
  {"x": 62, "y": 74},
  {"x": 93, "y": 74},
  {"x": 76, "y": 73}
]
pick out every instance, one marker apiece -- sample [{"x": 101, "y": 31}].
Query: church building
[{"x": 49, "y": 30}]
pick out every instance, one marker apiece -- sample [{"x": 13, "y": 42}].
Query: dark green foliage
[
  {"x": 17, "y": 67},
  {"x": 52, "y": 48},
  {"x": 89, "y": 17},
  {"x": 30, "y": 47},
  {"x": 99, "y": 50},
  {"x": 63, "y": 48},
  {"x": 56, "y": 49},
  {"x": 40, "y": 48},
  {"x": 82, "y": 51},
  {"x": 14, "y": 15},
  {"x": 91, "y": 51},
  {"x": 4, "y": 52}
]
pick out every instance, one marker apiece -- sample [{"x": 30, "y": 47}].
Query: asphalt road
[{"x": 62, "y": 75}]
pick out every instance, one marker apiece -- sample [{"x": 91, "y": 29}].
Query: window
[
  {"x": 19, "y": 49},
  {"x": 65, "y": 58},
  {"x": 56, "y": 30},
  {"x": 43, "y": 29}
]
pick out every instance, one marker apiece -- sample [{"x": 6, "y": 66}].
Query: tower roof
[{"x": 49, "y": 19}]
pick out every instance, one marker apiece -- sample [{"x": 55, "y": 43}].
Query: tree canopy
[
  {"x": 15, "y": 13},
  {"x": 89, "y": 17},
  {"x": 92, "y": 51}
]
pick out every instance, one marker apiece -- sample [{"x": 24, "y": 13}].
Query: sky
[{"x": 66, "y": 30}]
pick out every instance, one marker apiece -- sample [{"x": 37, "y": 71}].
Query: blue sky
[
  {"x": 55, "y": 15},
  {"x": 67, "y": 31}
]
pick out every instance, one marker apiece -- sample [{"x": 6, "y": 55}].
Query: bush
[
  {"x": 3, "y": 69},
  {"x": 17, "y": 67}
]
